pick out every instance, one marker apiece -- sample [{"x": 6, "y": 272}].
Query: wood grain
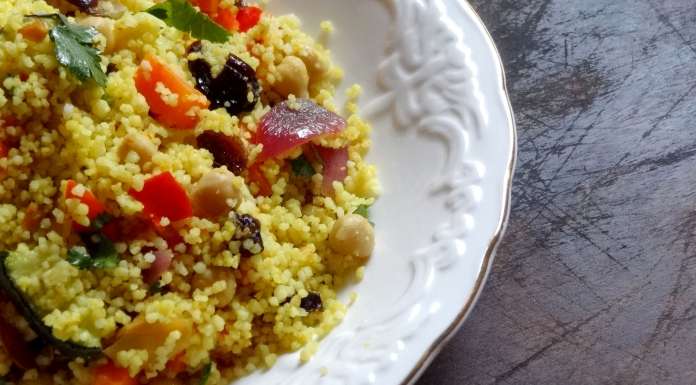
[{"x": 595, "y": 282}]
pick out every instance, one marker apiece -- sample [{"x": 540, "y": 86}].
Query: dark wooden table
[{"x": 595, "y": 282}]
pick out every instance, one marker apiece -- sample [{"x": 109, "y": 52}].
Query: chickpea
[
  {"x": 293, "y": 77},
  {"x": 353, "y": 235},
  {"x": 213, "y": 191},
  {"x": 215, "y": 274},
  {"x": 138, "y": 143},
  {"x": 104, "y": 25}
]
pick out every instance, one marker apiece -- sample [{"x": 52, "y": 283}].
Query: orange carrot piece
[
  {"x": 35, "y": 31},
  {"x": 153, "y": 78},
  {"x": 32, "y": 217},
  {"x": 177, "y": 364},
  {"x": 110, "y": 374}
]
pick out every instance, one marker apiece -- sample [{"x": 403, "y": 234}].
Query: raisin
[
  {"x": 196, "y": 46},
  {"x": 249, "y": 233},
  {"x": 312, "y": 302},
  {"x": 233, "y": 85},
  {"x": 230, "y": 89},
  {"x": 226, "y": 150},
  {"x": 200, "y": 69},
  {"x": 84, "y": 5}
]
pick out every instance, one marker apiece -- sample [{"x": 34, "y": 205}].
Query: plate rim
[{"x": 446, "y": 335}]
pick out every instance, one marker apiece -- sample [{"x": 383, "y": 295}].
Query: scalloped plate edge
[{"x": 444, "y": 337}]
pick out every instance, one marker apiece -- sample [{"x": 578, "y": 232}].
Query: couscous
[{"x": 180, "y": 196}]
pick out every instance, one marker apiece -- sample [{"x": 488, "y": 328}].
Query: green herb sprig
[
  {"x": 302, "y": 167},
  {"x": 364, "y": 211},
  {"x": 184, "y": 17},
  {"x": 74, "y": 47},
  {"x": 99, "y": 253},
  {"x": 205, "y": 374},
  {"x": 105, "y": 259}
]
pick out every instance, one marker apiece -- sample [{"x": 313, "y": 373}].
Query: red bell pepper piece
[
  {"x": 124, "y": 229},
  {"x": 13, "y": 342},
  {"x": 227, "y": 18},
  {"x": 209, "y": 7},
  {"x": 163, "y": 196},
  {"x": 168, "y": 233},
  {"x": 248, "y": 17},
  {"x": 88, "y": 198}
]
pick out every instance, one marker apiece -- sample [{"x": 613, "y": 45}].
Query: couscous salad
[{"x": 180, "y": 196}]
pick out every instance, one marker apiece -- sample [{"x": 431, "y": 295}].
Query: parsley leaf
[
  {"x": 74, "y": 49},
  {"x": 101, "y": 220},
  {"x": 302, "y": 167},
  {"x": 77, "y": 256},
  {"x": 206, "y": 373},
  {"x": 104, "y": 257},
  {"x": 102, "y": 250},
  {"x": 363, "y": 210},
  {"x": 99, "y": 252},
  {"x": 155, "y": 288},
  {"x": 184, "y": 17},
  {"x": 105, "y": 262}
]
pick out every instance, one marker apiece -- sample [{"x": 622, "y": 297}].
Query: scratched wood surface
[{"x": 595, "y": 282}]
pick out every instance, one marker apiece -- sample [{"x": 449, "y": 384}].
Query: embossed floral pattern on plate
[{"x": 444, "y": 143}]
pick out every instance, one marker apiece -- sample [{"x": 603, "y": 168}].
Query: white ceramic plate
[{"x": 444, "y": 143}]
